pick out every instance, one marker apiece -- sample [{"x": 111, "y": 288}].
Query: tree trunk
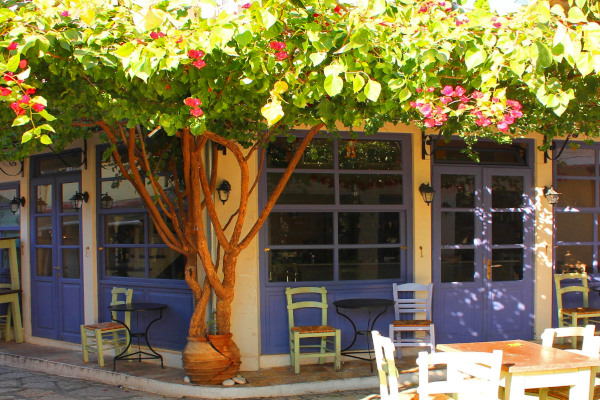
[{"x": 224, "y": 301}]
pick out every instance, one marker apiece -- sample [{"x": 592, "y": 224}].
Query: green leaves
[
  {"x": 474, "y": 58},
  {"x": 373, "y": 90},
  {"x": 333, "y": 85}
]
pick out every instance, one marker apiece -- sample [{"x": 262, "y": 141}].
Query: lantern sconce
[
  {"x": 223, "y": 190},
  {"x": 78, "y": 199},
  {"x": 551, "y": 195},
  {"x": 427, "y": 192},
  {"x": 106, "y": 201},
  {"x": 16, "y": 203}
]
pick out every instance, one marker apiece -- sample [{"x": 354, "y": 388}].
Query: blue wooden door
[
  {"x": 483, "y": 254},
  {"x": 56, "y": 268}
]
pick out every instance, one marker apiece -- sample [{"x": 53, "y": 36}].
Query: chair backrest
[
  {"x": 467, "y": 373},
  {"x": 321, "y": 303},
  {"x": 121, "y": 296},
  {"x": 11, "y": 245},
  {"x": 589, "y": 347},
  {"x": 581, "y": 287},
  {"x": 418, "y": 302},
  {"x": 386, "y": 367}
]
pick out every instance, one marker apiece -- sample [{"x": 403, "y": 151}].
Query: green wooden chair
[
  {"x": 102, "y": 336},
  {"x": 330, "y": 343}
]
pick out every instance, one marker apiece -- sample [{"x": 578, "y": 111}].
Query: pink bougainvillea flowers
[
  {"x": 277, "y": 45},
  {"x": 192, "y": 102},
  {"x": 16, "y": 107},
  {"x": 13, "y": 46},
  {"x": 38, "y": 107},
  {"x": 4, "y": 91},
  {"x": 23, "y": 64},
  {"x": 246, "y": 6},
  {"x": 196, "y": 112},
  {"x": 281, "y": 55},
  {"x": 156, "y": 35},
  {"x": 195, "y": 54},
  {"x": 199, "y": 64},
  {"x": 338, "y": 9},
  {"x": 64, "y": 14},
  {"x": 30, "y": 90}
]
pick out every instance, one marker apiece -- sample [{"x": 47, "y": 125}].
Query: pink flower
[
  {"x": 429, "y": 123},
  {"x": 462, "y": 106},
  {"x": 23, "y": 64},
  {"x": 4, "y": 91},
  {"x": 495, "y": 100},
  {"x": 246, "y": 6},
  {"x": 509, "y": 119},
  {"x": 516, "y": 114},
  {"x": 483, "y": 121},
  {"x": 25, "y": 99},
  {"x": 464, "y": 99},
  {"x": 13, "y": 46},
  {"x": 30, "y": 90},
  {"x": 64, "y": 14},
  {"x": 413, "y": 104},
  {"x": 38, "y": 107},
  {"x": 192, "y": 102},
  {"x": 199, "y": 64},
  {"x": 195, "y": 54},
  {"x": 9, "y": 77},
  {"x": 196, "y": 112},
  {"x": 497, "y": 25},
  {"x": 419, "y": 90},
  {"x": 179, "y": 40},
  {"x": 514, "y": 104},
  {"x": 167, "y": 87},
  {"x": 154, "y": 35},
  {"x": 445, "y": 99},
  {"x": 425, "y": 110},
  {"x": 448, "y": 91},
  {"x": 502, "y": 126},
  {"x": 338, "y": 9},
  {"x": 430, "y": 89},
  {"x": 477, "y": 95},
  {"x": 459, "y": 91},
  {"x": 316, "y": 15},
  {"x": 281, "y": 55},
  {"x": 423, "y": 9},
  {"x": 17, "y": 108},
  {"x": 277, "y": 45}
]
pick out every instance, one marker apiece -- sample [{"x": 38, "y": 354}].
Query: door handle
[
  {"x": 489, "y": 268},
  {"x": 57, "y": 267}
]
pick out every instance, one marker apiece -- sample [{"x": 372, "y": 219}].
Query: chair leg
[
  {"x": 432, "y": 337},
  {"x": 84, "y": 344},
  {"x": 322, "y": 350},
  {"x": 116, "y": 343},
  {"x": 17, "y": 322},
  {"x": 338, "y": 350},
  {"x": 7, "y": 335},
  {"x": 296, "y": 354},
  {"x": 99, "y": 347}
]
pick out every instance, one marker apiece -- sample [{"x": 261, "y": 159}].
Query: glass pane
[
  {"x": 300, "y": 228},
  {"x": 579, "y": 162},
  {"x": 68, "y": 190},
  {"x": 154, "y": 236},
  {"x": 165, "y": 263},
  {"x": 507, "y": 228},
  {"x": 368, "y": 228},
  {"x": 507, "y": 191},
  {"x": 300, "y": 265},
  {"x": 370, "y": 189},
  {"x": 457, "y": 227},
  {"x": 318, "y": 154},
  {"x": 365, "y": 264},
  {"x": 124, "y": 229},
  {"x": 574, "y": 227},
  {"x": 458, "y": 265},
  {"x": 574, "y": 259},
  {"x": 124, "y": 261},
  {"x": 458, "y": 191},
  {"x": 7, "y": 218},
  {"x": 70, "y": 230},
  {"x": 44, "y": 199},
  {"x": 44, "y": 230},
  {"x": 123, "y": 194},
  {"x": 70, "y": 161},
  {"x": 71, "y": 266},
  {"x": 490, "y": 153},
  {"x": 44, "y": 262},
  {"x": 576, "y": 193},
  {"x": 507, "y": 265},
  {"x": 370, "y": 155},
  {"x": 109, "y": 168},
  {"x": 304, "y": 188}
]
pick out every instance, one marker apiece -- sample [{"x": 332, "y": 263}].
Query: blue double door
[
  {"x": 483, "y": 253},
  {"x": 56, "y": 258}
]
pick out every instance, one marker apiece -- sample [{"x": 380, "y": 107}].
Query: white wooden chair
[
  {"x": 386, "y": 367},
  {"x": 471, "y": 375},
  {"x": 572, "y": 316},
  {"x": 9, "y": 294},
  {"x": 419, "y": 302},
  {"x": 102, "y": 336}
]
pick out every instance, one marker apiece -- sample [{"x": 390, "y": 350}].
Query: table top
[
  {"x": 134, "y": 306},
  {"x": 523, "y": 356},
  {"x": 363, "y": 303}
]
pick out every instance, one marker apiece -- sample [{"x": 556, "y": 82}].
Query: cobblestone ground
[{"x": 24, "y": 384}]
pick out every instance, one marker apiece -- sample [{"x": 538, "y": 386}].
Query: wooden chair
[
  {"x": 571, "y": 316},
  {"x": 472, "y": 375},
  {"x": 410, "y": 306},
  {"x": 386, "y": 367},
  {"x": 330, "y": 343},
  {"x": 9, "y": 294},
  {"x": 102, "y": 336}
]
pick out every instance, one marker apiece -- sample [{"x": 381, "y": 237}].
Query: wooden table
[{"x": 527, "y": 365}]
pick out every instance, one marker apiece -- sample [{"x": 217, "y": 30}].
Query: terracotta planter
[{"x": 210, "y": 362}]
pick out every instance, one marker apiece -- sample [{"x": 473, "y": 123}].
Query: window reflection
[
  {"x": 507, "y": 191},
  {"x": 300, "y": 265},
  {"x": 458, "y": 191},
  {"x": 370, "y": 263},
  {"x": 318, "y": 154},
  {"x": 304, "y": 188},
  {"x": 458, "y": 265},
  {"x": 370, "y": 155},
  {"x": 579, "y": 162},
  {"x": 507, "y": 265},
  {"x": 457, "y": 227},
  {"x": 576, "y": 193},
  {"x": 574, "y": 259},
  {"x": 368, "y": 228}
]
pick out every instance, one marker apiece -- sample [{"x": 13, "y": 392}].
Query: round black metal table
[
  {"x": 362, "y": 304},
  {"x": 139, "y": 355}
]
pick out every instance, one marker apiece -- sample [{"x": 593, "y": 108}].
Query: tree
[{"x": 162, "y": 84}]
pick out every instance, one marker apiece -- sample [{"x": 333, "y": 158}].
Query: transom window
[{"x": 342, "y": 215}]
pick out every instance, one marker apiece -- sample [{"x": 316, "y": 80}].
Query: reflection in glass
[
  {"x": 458, "y": 265},
  {"x": 370, "y": 155},
  {"x": 68, "y": 161},
  {"x": 166, "y": 263},
  {"x": 124, "y": 229},
  {"x": 44, "y": 199},
  {"x": 44, "y": 230},
  {"x": 68, "y": 191},
  {"x": 507, "y": 228},
  {"x": 125, "y": 261},
  {"x": 579, "y": 162},
  {"x": 154, "y": 235},
  {"x": 302, "y": 188},
  {"x": 457, "y": 191},
  {"x": 574, "y": 227},
  {"x": 576, "y": 193},
  {"x": 370, "y": 189},
  {"x": 365, "y": 264},
  {"x": 507, "y": 265},
  {"x": 70, "y": 230},
  {"x": 300, "y": 228},
  {"x": 7, "y": 218},
  {"x": 507, "y": 191},
  {"x": 457, "y": 227},
  {"x": 300, "y": 265},
  {"x": 70, "y": 267},
  {"x": 123, "y": 194},
  {"x": 318, "y": 154},
  {"x": 44, "y": 262},
  {"x": 368, "y": 228},
  {"x": 574, "y": 259}
]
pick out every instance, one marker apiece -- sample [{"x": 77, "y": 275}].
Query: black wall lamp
[
  {"x": 551, "y": 195},
  {"x": 16, "y": 203},
  {"x": 427, "y": 192},
  {"x": 223, "y": 190},
  {"x": 78, "y": 199},
  {"x": 106, "y": 201}
]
